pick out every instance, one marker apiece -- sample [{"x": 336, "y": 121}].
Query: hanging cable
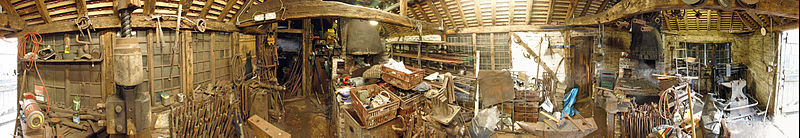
[{"x": 34, "y": 38}]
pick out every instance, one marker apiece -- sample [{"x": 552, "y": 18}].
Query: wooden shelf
[
  {"x": 446, "y": 61},
  {"x": 65, "y": 61}
]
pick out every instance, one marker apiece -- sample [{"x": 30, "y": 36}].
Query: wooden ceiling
[
  {"x": 459, "y": 14},
  {"x": 41, "y": 11},
  {"x": 453, "y": 14}
]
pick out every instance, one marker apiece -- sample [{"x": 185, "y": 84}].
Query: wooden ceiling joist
[
  {"x": 42, "y": 8},
  {"x": 550, "y": 12},
  {"x": 461, "y": 11},
  {"x": 494, "y": 12},
  {"x": 80, "y": 7},
  {"x": 226, "y": 10},
  {"x": 107, "y": 22},
  {"x": 8, "y": 8},
  {"x": 586, "y": 7},
  {"x": 207, "y": 6},
  {"x": 602, "y": 6},
  {"x": 247, "y": 4},
  {"x": 149, "y": 7},
  {"x": 332, "y": 9},
  {"x": 746, "y": 23},
  {"x": 478, "y": 14},
  {"x": 447, "y": 12},
  {"x": 528, "y": 9},
  {"x": 628, "y": 8},
  {"x": 571, "y": 9},
  {"x": 755, "y": 17}
]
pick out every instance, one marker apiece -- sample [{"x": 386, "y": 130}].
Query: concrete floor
[{"x": 303, "y": 119}]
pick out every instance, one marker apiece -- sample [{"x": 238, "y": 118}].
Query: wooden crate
[
  {"x": 526, "y": 117},
  {"x": 409, "y": 104},
  {"x": 374, "y": 116},
  {"x": 528, "y": 95},
  {"x": 402, "y": 80},
  {"x": 526, "y": 107}
]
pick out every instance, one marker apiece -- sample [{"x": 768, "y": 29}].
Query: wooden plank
[
  {"x": 628, "y": 8},
  {"x": 107, "y": 67},
  {"x": 756, "y": 18},
  {"x": 332, "y": 9},
  {"x": 494, "y": 12},
  {"x": 535, "y": 56},
  {"x": 478, "y": 14},
  {"x": 241, "y": 11},
  {"x": 208, "y": 5},
  {"x": 225, "y": 10},
  {"x": 306, "y": 53},
  {"x": 461, "y": 11},
  {"x": 187, "y": 62},
  {"x": 149, "y": 7},
  {"x": 42, "y": 8},
  {"x": 550, "y": 12},
  {"x": 512, "y": 28},
  {"x": 491, "y": 48},
  {"x": 213, "y": 58},
  {"x": 264, "y": 129},
  {"x": 602, "y": 6},
  {"x": 8, "y": 8},
  {"x": 586, "y": 7},
  {"x": 571, "y": 9},
  {"x": 741, "y": 18},
  {"x": 151, "y": 66},
  {"x": 528, "y": 9},
  {"x": 80, "y": 7},
  {"x": 109, "y": 22},
  {"x": 403, "y": 7}
]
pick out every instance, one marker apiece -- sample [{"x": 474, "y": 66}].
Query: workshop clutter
[
  {"x": 403, "y": 77},
  {"x": 374, "y": 105}
]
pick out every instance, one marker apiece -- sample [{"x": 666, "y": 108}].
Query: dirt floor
[{"x": 303, "y": 119}]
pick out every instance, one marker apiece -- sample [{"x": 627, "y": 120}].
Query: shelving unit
[{"x": 427, "y": 54}]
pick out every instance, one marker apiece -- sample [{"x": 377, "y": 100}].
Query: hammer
[{"x": 559, "y": 123}]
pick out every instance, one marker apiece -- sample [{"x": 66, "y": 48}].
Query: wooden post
[
  {"x": 187, "y": 70},
  {"x": 306, "y": 82},
  {"x": 475, "y": 48},
  {"x": 150, "y": 66},
  {"x": 108, "y": 69},
  {"x": 213, "y": 58},
  {"x": 403, "y": 7},
  {"x": 491, "y": 49}
]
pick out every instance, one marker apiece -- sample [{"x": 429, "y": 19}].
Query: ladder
[{"x": 680, "y": 61}]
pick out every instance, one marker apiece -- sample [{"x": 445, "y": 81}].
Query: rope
[{"x": 34, "y": 38}]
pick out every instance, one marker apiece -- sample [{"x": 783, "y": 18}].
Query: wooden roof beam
[
  {"x": 571, "y": 9},
  {"x": 755, "y": 17},
  {"x": 42, "y": 7},
  {"x": 444, "y": 7},
  {"x": 586, "y": 7},
  {"x": 109, "y": 22},
  {"x": 461, "y": 11},
  {"x": 478, "y": 14},
  {"x": 227, "y": 9},
  {"x": 528, "y": 9},
  {"x": 331, "y": 9},
  {"x": 241, "y": 10},
  {"x": 602, "y": 6},
  {"x": 494, "y": 12},
  {"x": 628, "y": 8},
  {"x": 149, "y": 7},
  {"x": 208, "y": 5},
  {"x": 666, "y": 20},
  {"x": 744, "y": 21},
  {"x": 421, "y": 10},
  {"x": 403, "y": 7},
  {"x": 550, "y": 12},
  {"x": 80, "y": 8},
  {"x": 8, "y": 8}
]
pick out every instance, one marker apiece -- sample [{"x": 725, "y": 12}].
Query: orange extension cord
[{"x": 35, "y": 38}]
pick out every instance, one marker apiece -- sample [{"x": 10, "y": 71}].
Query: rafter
[
  {"x": 149, "y": 7},
  {"x": 478, "y": 14},
  {"x": 708, "y": 20},
  {"x": 80, "y": 7},
  {"x": 602, "y": 6},
  {"x": 403, "y": 7},
  {"x": 227, "y": 9},
  {"x": 550, "y": 12},
  {"x": 510, "y": 11},
  {"x": 8, "y": 8},
  {"x": 421, "y": 10},
  {"x": 743, "y": 20},
  {"x": 208, "y": 5},
  {"x": 494, "y": 12},
  {"x": 571, "y": 10},
  {"x": 42, "y": 7},
  {"x": 443, "y": 4},
  {"x": 528, "y": 9},
  {"x": 719, "y": 21},
  {"x": 461, "y": 11},
  {"x": 756, "y": 18},
  {"x": 628, "y": 8},
  {"x": 666, "y": 20},
  {"x": 241, "y": 10},
  {"x": 436, "y": 12},
  {"x": 586, "y": 7}
]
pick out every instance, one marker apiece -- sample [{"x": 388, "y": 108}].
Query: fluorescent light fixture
[{"x": 373, "y": 22}]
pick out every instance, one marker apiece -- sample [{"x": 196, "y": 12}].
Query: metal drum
[
  {"x": 128, "y": 69},
  {"x": 33, "y": 114}
]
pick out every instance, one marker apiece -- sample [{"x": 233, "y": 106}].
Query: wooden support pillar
[
  {"x": 213, "y": 58},
  {"x": 150, "y": 66},
  {"x": 107, "y": 67},
  {"x": 403, "y": 7},
  {"x": 307, "y": 45},
  {"x": 187, "y": 62},
  {"x": 475, "y": 47},
  {"x": 491, "y": 49}
]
